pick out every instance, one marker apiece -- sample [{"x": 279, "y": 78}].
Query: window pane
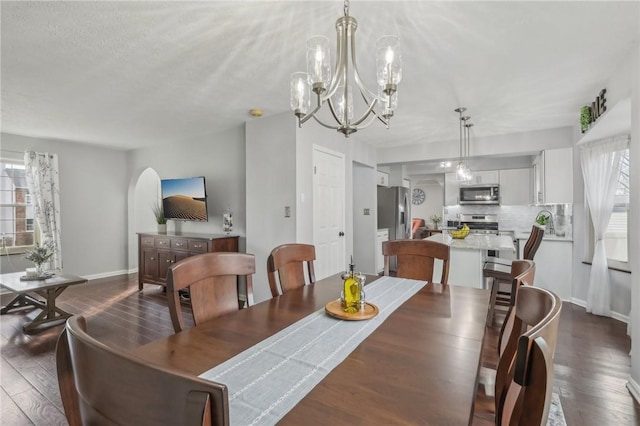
[
  {"x": 16, "y": 213},
  {"x": 615, "y": 238}
]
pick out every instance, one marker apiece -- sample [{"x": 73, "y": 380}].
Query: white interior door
[{"x": 328, "y": 211}]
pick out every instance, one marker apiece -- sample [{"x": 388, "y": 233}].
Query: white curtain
[
  {"x": 42, "y": 180},
  {"x": 601, "y": 171}
]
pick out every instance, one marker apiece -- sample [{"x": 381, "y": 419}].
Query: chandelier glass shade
[
  {"x": 336, "y": 89},
  {"x": 463, "y": 173}
]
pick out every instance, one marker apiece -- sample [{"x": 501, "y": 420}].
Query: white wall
[
  {"x": 220, "y": 158},
  {"x": 93, "y": 182},
  {"x": 433, "y": 203},
  {"x": 364, "y": 226},
  {"x": 513, "y": 144},
  {"x": 270, "y": 186},
  {"x": 279, "y": 164}
]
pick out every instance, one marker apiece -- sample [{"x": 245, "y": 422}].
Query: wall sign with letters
[{"x": 589, "y": 114}]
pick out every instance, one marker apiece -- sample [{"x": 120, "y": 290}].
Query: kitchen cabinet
[
  {"x": 553, "y": 176},
  {"x": 515, "y": 187},
  {"x": 553, "y": 265},
  {"x": 451, "y": 189},
  {"x": 382, "y": 179},
  {"x": 381, "y": 236},
  {"x": 484, "y": 176},
  {"x": 558, "y": 176}
]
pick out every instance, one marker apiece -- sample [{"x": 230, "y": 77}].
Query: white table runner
[{"x": 270, "y": 378}]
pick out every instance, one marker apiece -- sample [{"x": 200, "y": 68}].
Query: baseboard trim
[
  {"x": 615, "y": 315},
  {"x": 634, "y": 389},
  {"x": 110, "y": 274}
]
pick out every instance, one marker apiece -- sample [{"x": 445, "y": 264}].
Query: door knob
[{"x": 340, "y": 234}]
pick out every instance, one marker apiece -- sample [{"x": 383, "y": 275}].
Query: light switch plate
[{"x": 287, "y": 211}]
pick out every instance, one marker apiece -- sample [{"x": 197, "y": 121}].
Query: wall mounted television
[{"x": 184, "y": 199}]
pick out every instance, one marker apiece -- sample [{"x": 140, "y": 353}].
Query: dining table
[{"x": 418, "y": 365}]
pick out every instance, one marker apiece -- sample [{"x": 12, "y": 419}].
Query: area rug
[{"x": 556, "y": 415}]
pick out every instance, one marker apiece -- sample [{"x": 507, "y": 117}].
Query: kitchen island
[{"x": 468, "y": 255}]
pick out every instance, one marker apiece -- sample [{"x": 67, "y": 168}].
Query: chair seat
[{"x": 497, "y": 270}]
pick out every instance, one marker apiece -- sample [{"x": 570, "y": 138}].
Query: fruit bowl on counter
[{"x": 459, "y": 234}]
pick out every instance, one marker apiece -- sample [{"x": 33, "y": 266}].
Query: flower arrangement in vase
[
  {"x": 436, "y": 219},
  {"x": 40, "y": 255}
]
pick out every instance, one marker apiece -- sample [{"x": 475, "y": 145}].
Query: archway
[{"x": 144, "y": 192}]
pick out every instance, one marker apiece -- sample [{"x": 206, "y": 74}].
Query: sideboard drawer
[
  {"x": 199, "y": 246},
  {"x": 179, "y": 244},
  {"x": 163, "y": 242},
  {"x": 147, "y": 241}
]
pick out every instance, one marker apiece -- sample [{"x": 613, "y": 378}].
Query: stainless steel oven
[
  {"x": 479, "y": 224},
  {"x": 480, "y": 194}
]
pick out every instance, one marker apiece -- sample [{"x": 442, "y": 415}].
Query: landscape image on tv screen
[{"x": 184, "y": 199}]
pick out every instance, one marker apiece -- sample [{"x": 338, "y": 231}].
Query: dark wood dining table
[{"x": 418, "y": 367}]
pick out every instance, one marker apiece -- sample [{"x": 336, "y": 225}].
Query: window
[
  {"x": 17, "y": 222},
  {"x": 615, "y": 238}
]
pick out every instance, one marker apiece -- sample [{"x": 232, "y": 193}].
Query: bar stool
[{"x": 499, "y": 270}]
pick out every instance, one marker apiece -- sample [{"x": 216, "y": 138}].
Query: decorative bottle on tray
[{"x": 351, "y": 291}]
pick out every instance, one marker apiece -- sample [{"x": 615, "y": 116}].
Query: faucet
[{"x": 552, "y": 229}]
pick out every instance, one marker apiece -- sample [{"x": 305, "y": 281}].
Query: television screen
[{"x": 184, "y": 199}]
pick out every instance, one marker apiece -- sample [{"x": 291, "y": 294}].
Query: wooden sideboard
[{"x": 156, "y": 252}]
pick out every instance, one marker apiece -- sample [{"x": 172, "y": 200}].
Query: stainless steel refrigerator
[{"x": 394, "y": 213}]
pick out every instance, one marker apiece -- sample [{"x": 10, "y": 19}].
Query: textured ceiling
[{"x": 135, "y": 74}]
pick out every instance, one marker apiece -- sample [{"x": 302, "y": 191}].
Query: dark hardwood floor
[{"x": 592, "y": 361}]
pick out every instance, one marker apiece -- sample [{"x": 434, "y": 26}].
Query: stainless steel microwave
[{"x": 487, "y": 193}]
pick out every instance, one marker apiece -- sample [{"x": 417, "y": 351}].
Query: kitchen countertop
[
  {"x": 549, "y": 237},
  {"x": 476, "y": 242}
]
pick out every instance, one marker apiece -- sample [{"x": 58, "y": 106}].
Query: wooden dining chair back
[
  {"x": 102, "y": 386},
  {"x": 524, "y": 377},
  {"x": 285, "y": 267},
  {"x": 212, "y": 280},
  {"x": 416, "y": 259},
  {"x": 533, "y": 242},
  {"x": 521, "y": 271}
]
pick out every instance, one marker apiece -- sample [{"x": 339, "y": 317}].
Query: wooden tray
[{"x": 334, "y": 309}]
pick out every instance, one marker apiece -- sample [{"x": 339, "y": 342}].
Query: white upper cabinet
[
  {"x": 451, "y": 189},
  {"x": 484, "y": 176},
  {"x": 515, "y": 187},
  {"x": 554, "y": 177},
  {"x": 382, "y": 179}
]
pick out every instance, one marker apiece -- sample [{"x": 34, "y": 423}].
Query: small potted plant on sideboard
[{"x": 158, "y": 212}]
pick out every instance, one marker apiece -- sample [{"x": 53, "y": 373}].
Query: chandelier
[
  {"x": 336, "y": 89},
  {"x": 463, "y": 173}
]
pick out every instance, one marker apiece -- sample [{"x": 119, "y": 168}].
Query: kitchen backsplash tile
[{"x": 520, "y": 218}]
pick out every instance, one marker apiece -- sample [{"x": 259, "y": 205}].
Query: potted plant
[
  {"x": 40, "y": 255},
  {"x": 585, "y": 118},
  {"x": 158, "y": 212},
  {"x": 542, "y": 219}
]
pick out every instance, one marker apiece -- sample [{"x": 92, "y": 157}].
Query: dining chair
[
  {"x": 520, "y": 272},
  {"x": 285, "y": 267},
  {"x": 498, "y": 272},
  {"x": 416, "y": 258},
  {"x": 212, "y": 280},
  {"x": 103, "y": 386},
  {"x": 524, "y": 377}
]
